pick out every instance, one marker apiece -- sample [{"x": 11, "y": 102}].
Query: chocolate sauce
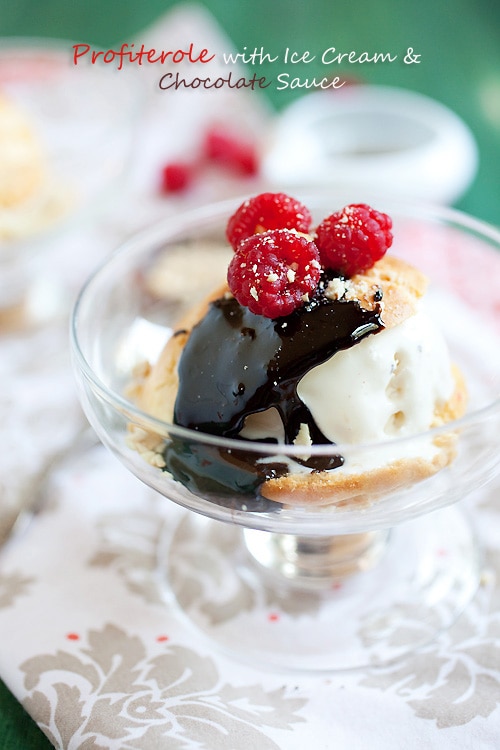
[
  {"x": 227, "y": 477},
  {"x": 235, "y": 364}
]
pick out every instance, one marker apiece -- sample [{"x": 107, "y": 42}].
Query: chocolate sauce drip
[
  {"x": 230, "y": 478},
  {"x": 235, "y": 364}
]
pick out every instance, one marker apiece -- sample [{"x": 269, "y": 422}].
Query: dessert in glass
[{"x": 320, "y": 412}]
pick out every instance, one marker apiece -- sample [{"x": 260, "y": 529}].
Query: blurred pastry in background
[{"x": 31, "y": 199}]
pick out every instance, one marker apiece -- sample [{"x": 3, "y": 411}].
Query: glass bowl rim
[{"x": 167, "y": 228}]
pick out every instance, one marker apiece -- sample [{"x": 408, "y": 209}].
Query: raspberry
[
  {"x": 351, "y": 240},
  {"x": 176, "y": 177},
  {"x": 267, "y": 211},
  {"x": 272, "y": 273},
  {"x": 223, "y": 147}
]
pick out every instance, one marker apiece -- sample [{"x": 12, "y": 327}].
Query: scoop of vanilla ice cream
[{"x": 388, "y": 385}]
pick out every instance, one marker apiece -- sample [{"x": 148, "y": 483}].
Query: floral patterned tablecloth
[
  {"x": 96, "y": 649},
  {"x": 101, "y": 656}
]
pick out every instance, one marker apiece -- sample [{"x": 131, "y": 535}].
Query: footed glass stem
[{"x": 315, "y": 562}]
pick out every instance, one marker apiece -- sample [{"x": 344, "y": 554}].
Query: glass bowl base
[{"x": 419, "y": 579}]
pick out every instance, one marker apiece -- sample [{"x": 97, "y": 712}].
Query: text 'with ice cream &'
[{"x": 132, "y": 54}]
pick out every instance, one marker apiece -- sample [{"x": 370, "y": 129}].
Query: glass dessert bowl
[{"x": 338, "y": 573}]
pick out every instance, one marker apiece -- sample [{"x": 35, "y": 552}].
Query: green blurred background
[{"x": 459, "y": 44}]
